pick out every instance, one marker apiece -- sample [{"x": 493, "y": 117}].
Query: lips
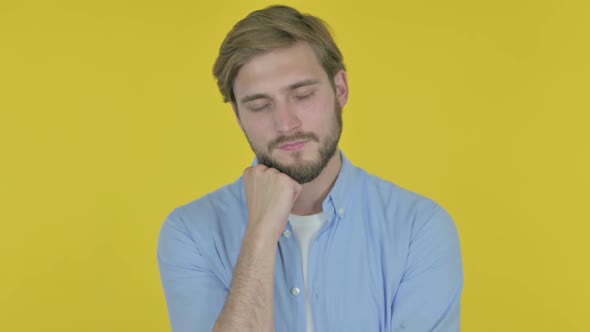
[{"x": 293, "y": 146}]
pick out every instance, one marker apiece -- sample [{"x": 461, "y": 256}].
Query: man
[{"x": 304, "y": 240}]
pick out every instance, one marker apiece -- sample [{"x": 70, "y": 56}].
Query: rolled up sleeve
[
  {"x": 194, "y": 294},
  {"x": 429, "y": 295}
]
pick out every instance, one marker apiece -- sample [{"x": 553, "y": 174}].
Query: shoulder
[
  {"x": 204, "y": 234},
  {"x": 228, "y": 197},
  {"x": 213, "y": 213},
  {"x": 401, "y": 206},
  {"x": 396, "y": 197}
]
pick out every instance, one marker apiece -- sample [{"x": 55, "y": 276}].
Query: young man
[{"x": 304, "y": 240}]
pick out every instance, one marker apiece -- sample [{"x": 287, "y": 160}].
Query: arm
[
  {"x": 429, "y": 295},
  {"x": 197, "y": 299},
  {"x": 195, "y": 296},
  {"x": 250, "y": 304}
]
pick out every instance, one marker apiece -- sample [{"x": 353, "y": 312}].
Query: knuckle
[
  {"x": 259, "y": 168},
  {"x": 271, "y": 171}
]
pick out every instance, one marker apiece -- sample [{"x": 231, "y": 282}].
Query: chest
[{"x": 353, "y": 274}]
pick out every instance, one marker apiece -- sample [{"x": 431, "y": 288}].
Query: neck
[{"x": 314, "y": 193}]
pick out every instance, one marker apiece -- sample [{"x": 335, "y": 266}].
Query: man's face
[{"x": 289, "y": 111}]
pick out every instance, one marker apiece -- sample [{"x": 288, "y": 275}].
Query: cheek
[
  {"x": 256, "y": 130},
  {"x": 320, "y": 114}
]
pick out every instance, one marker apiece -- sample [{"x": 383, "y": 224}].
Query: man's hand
[{"x": 270, "y": 195}]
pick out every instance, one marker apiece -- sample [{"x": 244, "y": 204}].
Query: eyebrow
[
  {"x": 290, "y": 87},
  {"x": 254, "y": 97},
  {"x": 302, "y": 83}
]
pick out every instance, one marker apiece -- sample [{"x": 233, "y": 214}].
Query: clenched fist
[{"x": 270, "y": 195}]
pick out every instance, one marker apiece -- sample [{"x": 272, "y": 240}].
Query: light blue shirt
[{"x": 385, "y": 259}]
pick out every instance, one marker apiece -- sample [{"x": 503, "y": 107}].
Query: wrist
[{"x": 267, "y": 228}]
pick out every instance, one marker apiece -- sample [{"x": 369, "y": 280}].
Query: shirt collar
[{"x": 337, "y": 199}]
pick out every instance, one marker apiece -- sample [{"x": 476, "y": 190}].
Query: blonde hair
[{"x": 269, "y": 29}]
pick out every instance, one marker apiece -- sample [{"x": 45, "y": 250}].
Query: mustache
[{"x": 298, "y": 136}]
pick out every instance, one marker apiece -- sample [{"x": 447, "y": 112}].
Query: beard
[{"x": 304, "y": 171}]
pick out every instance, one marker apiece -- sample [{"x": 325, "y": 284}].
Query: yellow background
[{"x": 110, "y": 118}]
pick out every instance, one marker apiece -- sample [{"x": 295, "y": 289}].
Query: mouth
[{"x": 293, "y": 146}]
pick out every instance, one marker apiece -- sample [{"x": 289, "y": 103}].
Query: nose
[{"x": 286, "y": 118}]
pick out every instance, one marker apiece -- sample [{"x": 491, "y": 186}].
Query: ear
[
  {"x": 341, "y": 87},
  {"x": 234, "y": 107}
]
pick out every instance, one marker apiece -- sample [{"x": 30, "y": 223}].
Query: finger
[
  {"x": 271, "y": 170},
  {"x": 259, "y": 167}
]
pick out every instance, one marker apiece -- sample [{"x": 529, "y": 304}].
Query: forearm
[{"x": 250, "y": 303}]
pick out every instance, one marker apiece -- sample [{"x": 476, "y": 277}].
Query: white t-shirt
[{"x": 305, "y": 229}]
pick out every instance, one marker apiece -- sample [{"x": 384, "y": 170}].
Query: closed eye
[
  {"x": 302, "y": 97},
  {"x": 261, "y": 108}
]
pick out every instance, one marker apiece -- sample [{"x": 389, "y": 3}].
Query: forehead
[{"x": 276, "y": 70}]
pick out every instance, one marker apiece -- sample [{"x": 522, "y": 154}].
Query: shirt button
[
  {"x": 340, "y": 211},
  {"x": 295, "y": 291},
  {"x": 287, "y": 233}
]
